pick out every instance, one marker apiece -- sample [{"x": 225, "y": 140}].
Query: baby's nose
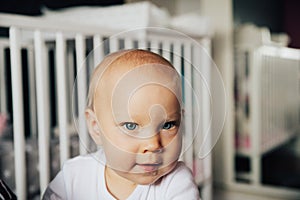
[{"x": 152, "y": 144}]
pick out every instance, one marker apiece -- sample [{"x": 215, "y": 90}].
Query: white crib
[
  {"x": 267, "y": 95},
  {"x": 45, "y": 56}
]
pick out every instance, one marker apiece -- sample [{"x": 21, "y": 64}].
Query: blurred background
[{"x": 254, "y": 43}]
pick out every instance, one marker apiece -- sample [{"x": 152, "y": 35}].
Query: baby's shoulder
[
  {"x": 180, "y": 174},
  {"x": 78, "y": 175},
  {"x": 180, "y": 170},
  {"x": 179, "y": 183},
  {"x": 83, "y": 163}
]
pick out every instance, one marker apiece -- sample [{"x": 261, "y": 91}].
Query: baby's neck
[{"x": 118, "y": 187}]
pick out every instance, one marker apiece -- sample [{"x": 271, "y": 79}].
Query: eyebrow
[
  {"x": 170, "y": 116},
  {"x": 174, "y": 114}
]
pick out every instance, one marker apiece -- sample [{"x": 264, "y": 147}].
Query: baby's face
[{"x": 139, "y": 116}]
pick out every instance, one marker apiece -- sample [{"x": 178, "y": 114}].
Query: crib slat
[
  {"x": 198, "y": 114},
  {"x": 166, "y": 49},
  {"x": 62, "y": 97},
  {"x": 98, "y": 49},
  {"x": 205, "y": 64},
  {"x": 31, "y": 72},
  {"x": 189, "y": 133},
  {"x": 255, "y": 137},
  {"x": 18, "y": 111},
  {"x": 142, "y": 44},
  {"x": 70, "y": 77},
  {"x": 128, "y": 43},
  {"x": 155, "y": 46},
  {"x": 42, "y": 94},
  {"x": 3, "y": 92},
  {"x": 177, "y": 57},
  {"x": 207, "y": 109},
  {"x": 82, "y": 91},
  {"x": 113, "y": 44},
  {"x": 204, "y": 67},
  {"x": 206, "y": 96}
]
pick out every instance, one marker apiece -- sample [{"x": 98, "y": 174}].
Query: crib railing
[
  {"x": 54, "y": 54},
  {"x": 267, "y": 103}
]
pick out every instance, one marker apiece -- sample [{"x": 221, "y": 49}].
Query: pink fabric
[{"x": 3, "y": 123}]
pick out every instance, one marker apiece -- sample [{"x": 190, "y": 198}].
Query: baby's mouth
[{"x": 150, "y": 167}]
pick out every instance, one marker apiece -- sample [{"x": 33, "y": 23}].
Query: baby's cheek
[
  {"x": 127, "y": 143},
  {"x": 171, "y": 141},
  {"x": 172, "y": 149},
  {"x": 119, "y": 159},
  {"x": 121, "y": 140}
]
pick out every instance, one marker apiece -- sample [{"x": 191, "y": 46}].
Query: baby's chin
[{"x": 148, "y": 178}]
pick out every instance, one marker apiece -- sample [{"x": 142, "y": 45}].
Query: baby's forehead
[
  {"x": 134, "y": 59},
  {"x": 130, "y": 76},
  {"x": 112, "y": 69},
  {"x": 128, "y": 66}
]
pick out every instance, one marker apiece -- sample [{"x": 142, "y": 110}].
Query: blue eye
[
  {"x": 130, "y": 126},
  {"x": 168, "y": 125}
]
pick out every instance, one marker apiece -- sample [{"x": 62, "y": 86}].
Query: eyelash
[
  {"x": 167, "y": 124},
  {"x": 127, "y": 125},
  {"x": 131, "y": 126}
]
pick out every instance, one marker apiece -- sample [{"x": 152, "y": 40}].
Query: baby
[{"x": 134, "y": 114}]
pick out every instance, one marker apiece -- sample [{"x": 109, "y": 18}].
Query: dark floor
[{"x": 282, "y": 167}]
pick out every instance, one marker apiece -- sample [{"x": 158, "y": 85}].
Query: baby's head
[{"x": 134, "y": 113}]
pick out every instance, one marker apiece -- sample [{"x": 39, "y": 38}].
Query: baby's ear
[{"x": 92, "y": 125}]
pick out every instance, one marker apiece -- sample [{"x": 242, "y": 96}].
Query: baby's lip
[{"x": 149, "y": 167}]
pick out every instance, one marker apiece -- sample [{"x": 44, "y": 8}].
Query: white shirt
[{"x": 83, "y": 178}]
